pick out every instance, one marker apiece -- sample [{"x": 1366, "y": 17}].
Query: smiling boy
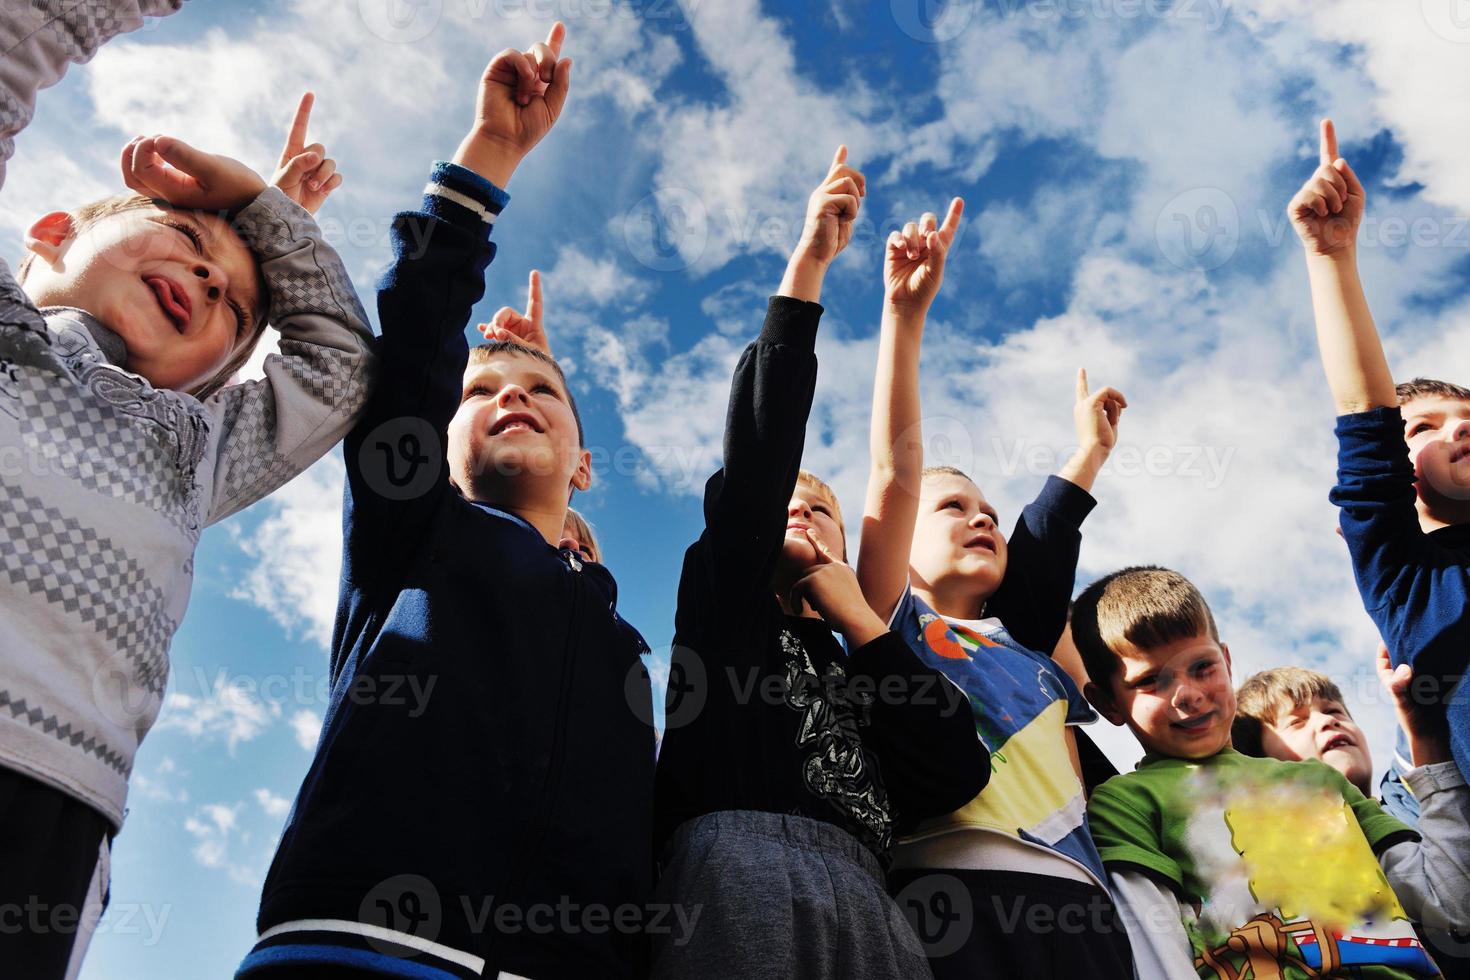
[
  {"x": 1292, "y": 713},
  {"x": 1225, "y": 864}
]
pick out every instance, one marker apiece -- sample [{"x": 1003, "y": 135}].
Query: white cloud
[
  {"x": 298, "y": 551},
  {"x": 230, "y": 712},
  {"x": 307, "y": 727},
  {"x": 274, "y": 806},
  {"x": 219, "y": 840}
]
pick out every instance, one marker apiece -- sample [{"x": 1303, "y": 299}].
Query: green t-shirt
[{"x": 1274, "y": 863}]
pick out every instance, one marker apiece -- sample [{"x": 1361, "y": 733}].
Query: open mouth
[
  {"x": 172, "y": 300},
  {"x": 982, "y": 542},
  {"x": 514, "y": 422},
  {"x": 1337, "y": 742},
  {"x": 1196, "y": 724}
]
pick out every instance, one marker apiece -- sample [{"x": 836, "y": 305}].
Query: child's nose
[
  {"x": 1460, "y": 430},
  {"x": 213, "y": 279}
]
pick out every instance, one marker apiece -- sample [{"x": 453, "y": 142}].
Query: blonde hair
[
  {"x": 92, "y": 212},
  {"x": 806, "y": 478},
  {"x": 584, "y": 533},
  {"x": 1146, "y": 606},
  {"x": 1264, "y": 695}
]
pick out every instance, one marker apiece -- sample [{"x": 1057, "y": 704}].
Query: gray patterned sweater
[{"x": 108, "y": 482}]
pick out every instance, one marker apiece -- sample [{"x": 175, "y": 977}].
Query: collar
[
  {"x": 1152, "y": 759},
  {"x": 104, "y": 341}
]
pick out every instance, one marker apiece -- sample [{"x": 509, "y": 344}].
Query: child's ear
[
  {"x": 582, "y": 478},
  {"x": 1225, "y": 650},
  {"x": 1102, "y": 700},
  {"x": 49, "y": 235}
]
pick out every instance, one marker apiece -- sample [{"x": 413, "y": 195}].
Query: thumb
[
  {"x": 182, "y": 156},
  {"x": 556, "y": 92},
  {"x": 299, "y": 166}
]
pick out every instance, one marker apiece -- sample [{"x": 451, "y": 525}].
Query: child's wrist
[
  {"x": 490, "y": 157},
  {"x": 804, "y": 276}
]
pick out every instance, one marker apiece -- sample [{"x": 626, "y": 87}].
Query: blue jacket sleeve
[
  {"x": 397, "y": 472},
  {"x": 1417, "y": 592},
  {"x": 1041, "y": 566}
]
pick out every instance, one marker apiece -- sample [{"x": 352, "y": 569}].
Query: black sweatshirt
[{"x": 764, "y": 710}]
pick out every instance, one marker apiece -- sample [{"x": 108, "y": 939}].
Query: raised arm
[
  {"x": 396, "y": 457},
  {"x": 913, "y": 268},
  {"x": 770, "y": 399},
  {"x": 1326, "y": 213}
]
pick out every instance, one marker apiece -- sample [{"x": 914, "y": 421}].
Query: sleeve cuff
[
  {"x": 1066, "y": 499},
  {"x": 888, "y": 654},
  {"x": 1424, "y": 781},
  {"x": 463, "y": 197},
  {"x": 791, "y": 322}
]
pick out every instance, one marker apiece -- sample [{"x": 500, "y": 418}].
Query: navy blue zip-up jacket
[
  {"x": 1415, "y": 586},
  {"x": 481, "y": 796}
]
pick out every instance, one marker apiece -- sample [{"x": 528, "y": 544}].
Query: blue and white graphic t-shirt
[{"x": 1022, "y": 702}]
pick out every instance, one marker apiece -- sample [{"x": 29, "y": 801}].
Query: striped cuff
[
  {"x": 360, "y": 946},
  {"x": 462, "y": 197}
]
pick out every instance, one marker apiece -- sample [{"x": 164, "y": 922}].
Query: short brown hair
[
  {"x": 806, "y": 478},
  {"x": 1430, "y": 388},
  {"x": 1260, "y": 700},
  {"x": 1146, "y": 606},
  {"x": 482, "y": 353}
]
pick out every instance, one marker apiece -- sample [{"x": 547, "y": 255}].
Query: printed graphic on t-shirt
[
  {"x": 1294, "y": 888},
  {"x": 1022, "y": 703},
  {"x": 833, "y": 766}
]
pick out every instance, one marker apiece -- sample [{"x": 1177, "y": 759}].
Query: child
[
  {"x": 1403, "y": 480},
  {"x": 1233, "y": 866},
  {"x": 935, "y": 566},
  {"x": 511, "y": 325},
  {"x": 126, "y": 320},
  {"x": 1291, "y": 713},
  {"x": 786, "y": 763},
  {"x": 499, "y": 824}
]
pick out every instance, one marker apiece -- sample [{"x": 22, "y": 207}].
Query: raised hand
[
  {"x": 305, "y": 173},
  {"x": 170, "y": 169},
  {"x": 523, "y": 328},
  {"x": 913, "y": 264},
  {"x": 1327, "y": 210},
  {"x": 1096, "y": 415},
  {"x": 521, "y": 96},
  {"x": 831, "y": 211}
]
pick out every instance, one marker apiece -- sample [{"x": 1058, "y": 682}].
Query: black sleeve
[
  {"x": 745, "y": 502},
  {"x": 920, "y": 726},
  {"x": 1041, "y": 566}
]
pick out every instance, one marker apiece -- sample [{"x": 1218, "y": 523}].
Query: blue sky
[{"x": 1125, "y": 165}]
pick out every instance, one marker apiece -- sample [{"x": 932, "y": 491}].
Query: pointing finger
[
  {"x": 533, "y": 298},
  {"x": 952, "y": 220},
  {"x": 1327, "y": 149},
  {"x": 1081, "y": 384},
  {"x": 296, "y": 135}
]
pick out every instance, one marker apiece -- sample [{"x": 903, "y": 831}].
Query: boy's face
[
  {"x": 514, "y": 437},
  {"x": 1319, "y": 729},
  {"x": 956, "y": 537},
  {"x": 180, "y": 288},
  {"x": 1437, "y": 431},
  {"x": 1177, "y": 698},
  {"x": 809, "y": 508}
]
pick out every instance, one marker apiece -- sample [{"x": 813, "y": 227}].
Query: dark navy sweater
[
  {"x": 1415, "y": 586},
  {"x": 484, "y": 777}
]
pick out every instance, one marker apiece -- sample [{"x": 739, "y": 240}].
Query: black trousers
[
  {"x": 1010, "y": 924},
  {"x": 49, "y": 843}
]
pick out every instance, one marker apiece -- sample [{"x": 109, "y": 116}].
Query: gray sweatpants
[{"x": 779, "y": 898}]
